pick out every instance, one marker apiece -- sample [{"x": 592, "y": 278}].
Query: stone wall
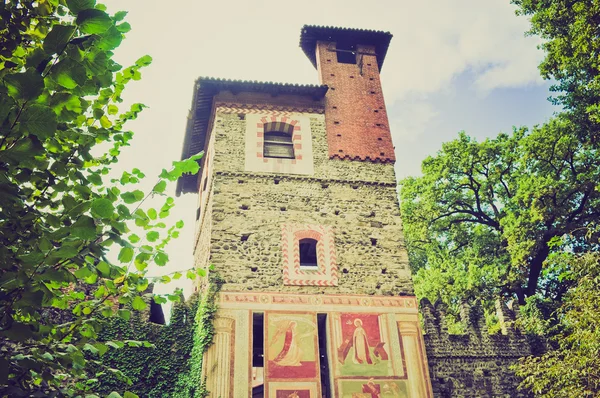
[
  {"x": 475, "y": 364},
  {"x": 358, "y": 199}
]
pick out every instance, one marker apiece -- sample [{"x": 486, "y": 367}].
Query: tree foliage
[
  {"x": 485, "y": 216},
  {"x": 517, "y": 215},
  {"x": 571, "y": 44},
  {"x": 573, "y": 369},
  {"x": 60, "y": 92}
]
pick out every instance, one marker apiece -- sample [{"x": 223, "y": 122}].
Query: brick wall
[{"x": 357, "y": 122}]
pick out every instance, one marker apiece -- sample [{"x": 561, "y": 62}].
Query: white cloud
[
  {"x": 408, "y": 121},
  {"x": 439, "y": 40}
]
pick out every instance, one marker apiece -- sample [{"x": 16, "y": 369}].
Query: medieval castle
[{"x": 298, "y": 213}]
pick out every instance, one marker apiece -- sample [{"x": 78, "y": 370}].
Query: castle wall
[
  {"x": 474, "y": 364},
  {"x": 357, "y": 199}
]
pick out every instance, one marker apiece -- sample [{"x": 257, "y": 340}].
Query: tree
[
  {"x": 59, "y": 216},
  {"x": 484, "y": 217},
  {"x": 573, "y": 368},
  {"x": 571, "y": 43}
]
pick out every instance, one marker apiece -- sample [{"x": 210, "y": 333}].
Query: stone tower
[{"x": 299, "y": 216}]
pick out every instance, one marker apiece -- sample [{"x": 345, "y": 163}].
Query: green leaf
[
  {"x": 105, "y": 122},
  {"x": 103, "y": 268},
  {"x": 93, "y": 21},
  {"x": 69, "y": 74},
  {"x": 82, "y": 273},
  {"x": 114, "y": 394},
  {"x": 138, "y": 303},
  {"x": 161, "y": 258},
  {"x": 76, "y": 6},
  {"x": 7, "y": 105},
  {"x": 141, "y": 219},
  {"x": 124, "y": 314},
  {"x": 90, "y": 348},
  {"x": 179, "y": 224},
  {"x": 110, "y": 39},
  {"x": 160, "y": 187},
  {"x": 132, "y": 197},
  {"x": 133, "y": 238},
  {"x": 103, "y": 208},
  {"x": 126, "y": 254},
  {"x": 84, "y": 228},
  {"x": 58, "y": 38},
  {"x": 124, "y": 27},
  {"x": 120, "y": 15},
  {"x": 112, "y": 109},
  {"x": 152, "y": 213},
  {"x": 38, "y": 120},
  {"x": 144, "y": 61},
  {"x": 152, "y": 236},
  {"x": 24, "y": 86},
  {"x": 23, "y": 149}
]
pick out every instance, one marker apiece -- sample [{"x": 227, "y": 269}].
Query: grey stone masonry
[
  {"x": 247, "y": 211},
  {"x": 474, "y": 364}
]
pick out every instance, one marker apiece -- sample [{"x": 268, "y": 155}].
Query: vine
[
  {"x": 191, "y": 384},
  {"x": 174, "y": 352},
  {"x": 150, "y": 368}
]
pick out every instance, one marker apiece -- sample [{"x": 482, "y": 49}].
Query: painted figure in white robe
[{"x": 361, "y": 344}]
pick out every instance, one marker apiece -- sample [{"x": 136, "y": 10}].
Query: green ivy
[
  {"x": 191, "y": 384},
  {"x": 151, "y": 369},
  {"x": 171, "y": 365}
]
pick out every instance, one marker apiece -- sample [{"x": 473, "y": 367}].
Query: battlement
[{"x": 474, "y": 364}]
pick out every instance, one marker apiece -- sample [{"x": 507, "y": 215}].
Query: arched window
[
  {"x": 308, "y": 253},
  {"x": 278, "y": 140}
]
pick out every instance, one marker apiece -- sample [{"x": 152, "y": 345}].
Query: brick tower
[{"x": 298, "y": 214}]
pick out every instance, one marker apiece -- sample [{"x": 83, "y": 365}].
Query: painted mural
[
  {"x": 293, "y": 389},
  {"x": 291, "y": 341},
  {"x": 363, "y": 347},
  {"x": 372, "y": 388},
  {"x": 295, "y": 393}
]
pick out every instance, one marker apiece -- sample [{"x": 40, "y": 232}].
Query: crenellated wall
[{"x": 474, "y": 364}]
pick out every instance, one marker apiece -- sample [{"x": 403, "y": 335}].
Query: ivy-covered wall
[
  {"x": 190, "y": 383},
  {"x": 173, "y": 366},
  {"x": 153, "y": 371}
]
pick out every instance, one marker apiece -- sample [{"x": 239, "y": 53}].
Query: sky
[{"x": 451, "y": 66}]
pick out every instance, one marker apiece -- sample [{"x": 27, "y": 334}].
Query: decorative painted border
[
  {"x": 326, "y": 302},
  {"x": 293, "y": 274},
  {"x": 296, "y": 139},
  {"x": 275, "y": 110}
]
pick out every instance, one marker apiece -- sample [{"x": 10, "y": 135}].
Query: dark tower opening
[
  {"x": 258, "y": 362},
  {"x": 346, "y": 53},
  {"x": 323, "y": 358},
  {"x": 156, "y": 313}
]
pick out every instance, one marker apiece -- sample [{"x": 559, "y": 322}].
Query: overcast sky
[{"x": 451, "y": 66}]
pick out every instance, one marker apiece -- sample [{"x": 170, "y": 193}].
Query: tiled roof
[
  {"x": 310, "y": 34},
  {"x": 205, "y": 89}
]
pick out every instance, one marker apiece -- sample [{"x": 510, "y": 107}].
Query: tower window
[
  {"x": 308, "y": 253},
  {"x": 346, "y": 53},
  {"x": 278, "y": 140}
]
